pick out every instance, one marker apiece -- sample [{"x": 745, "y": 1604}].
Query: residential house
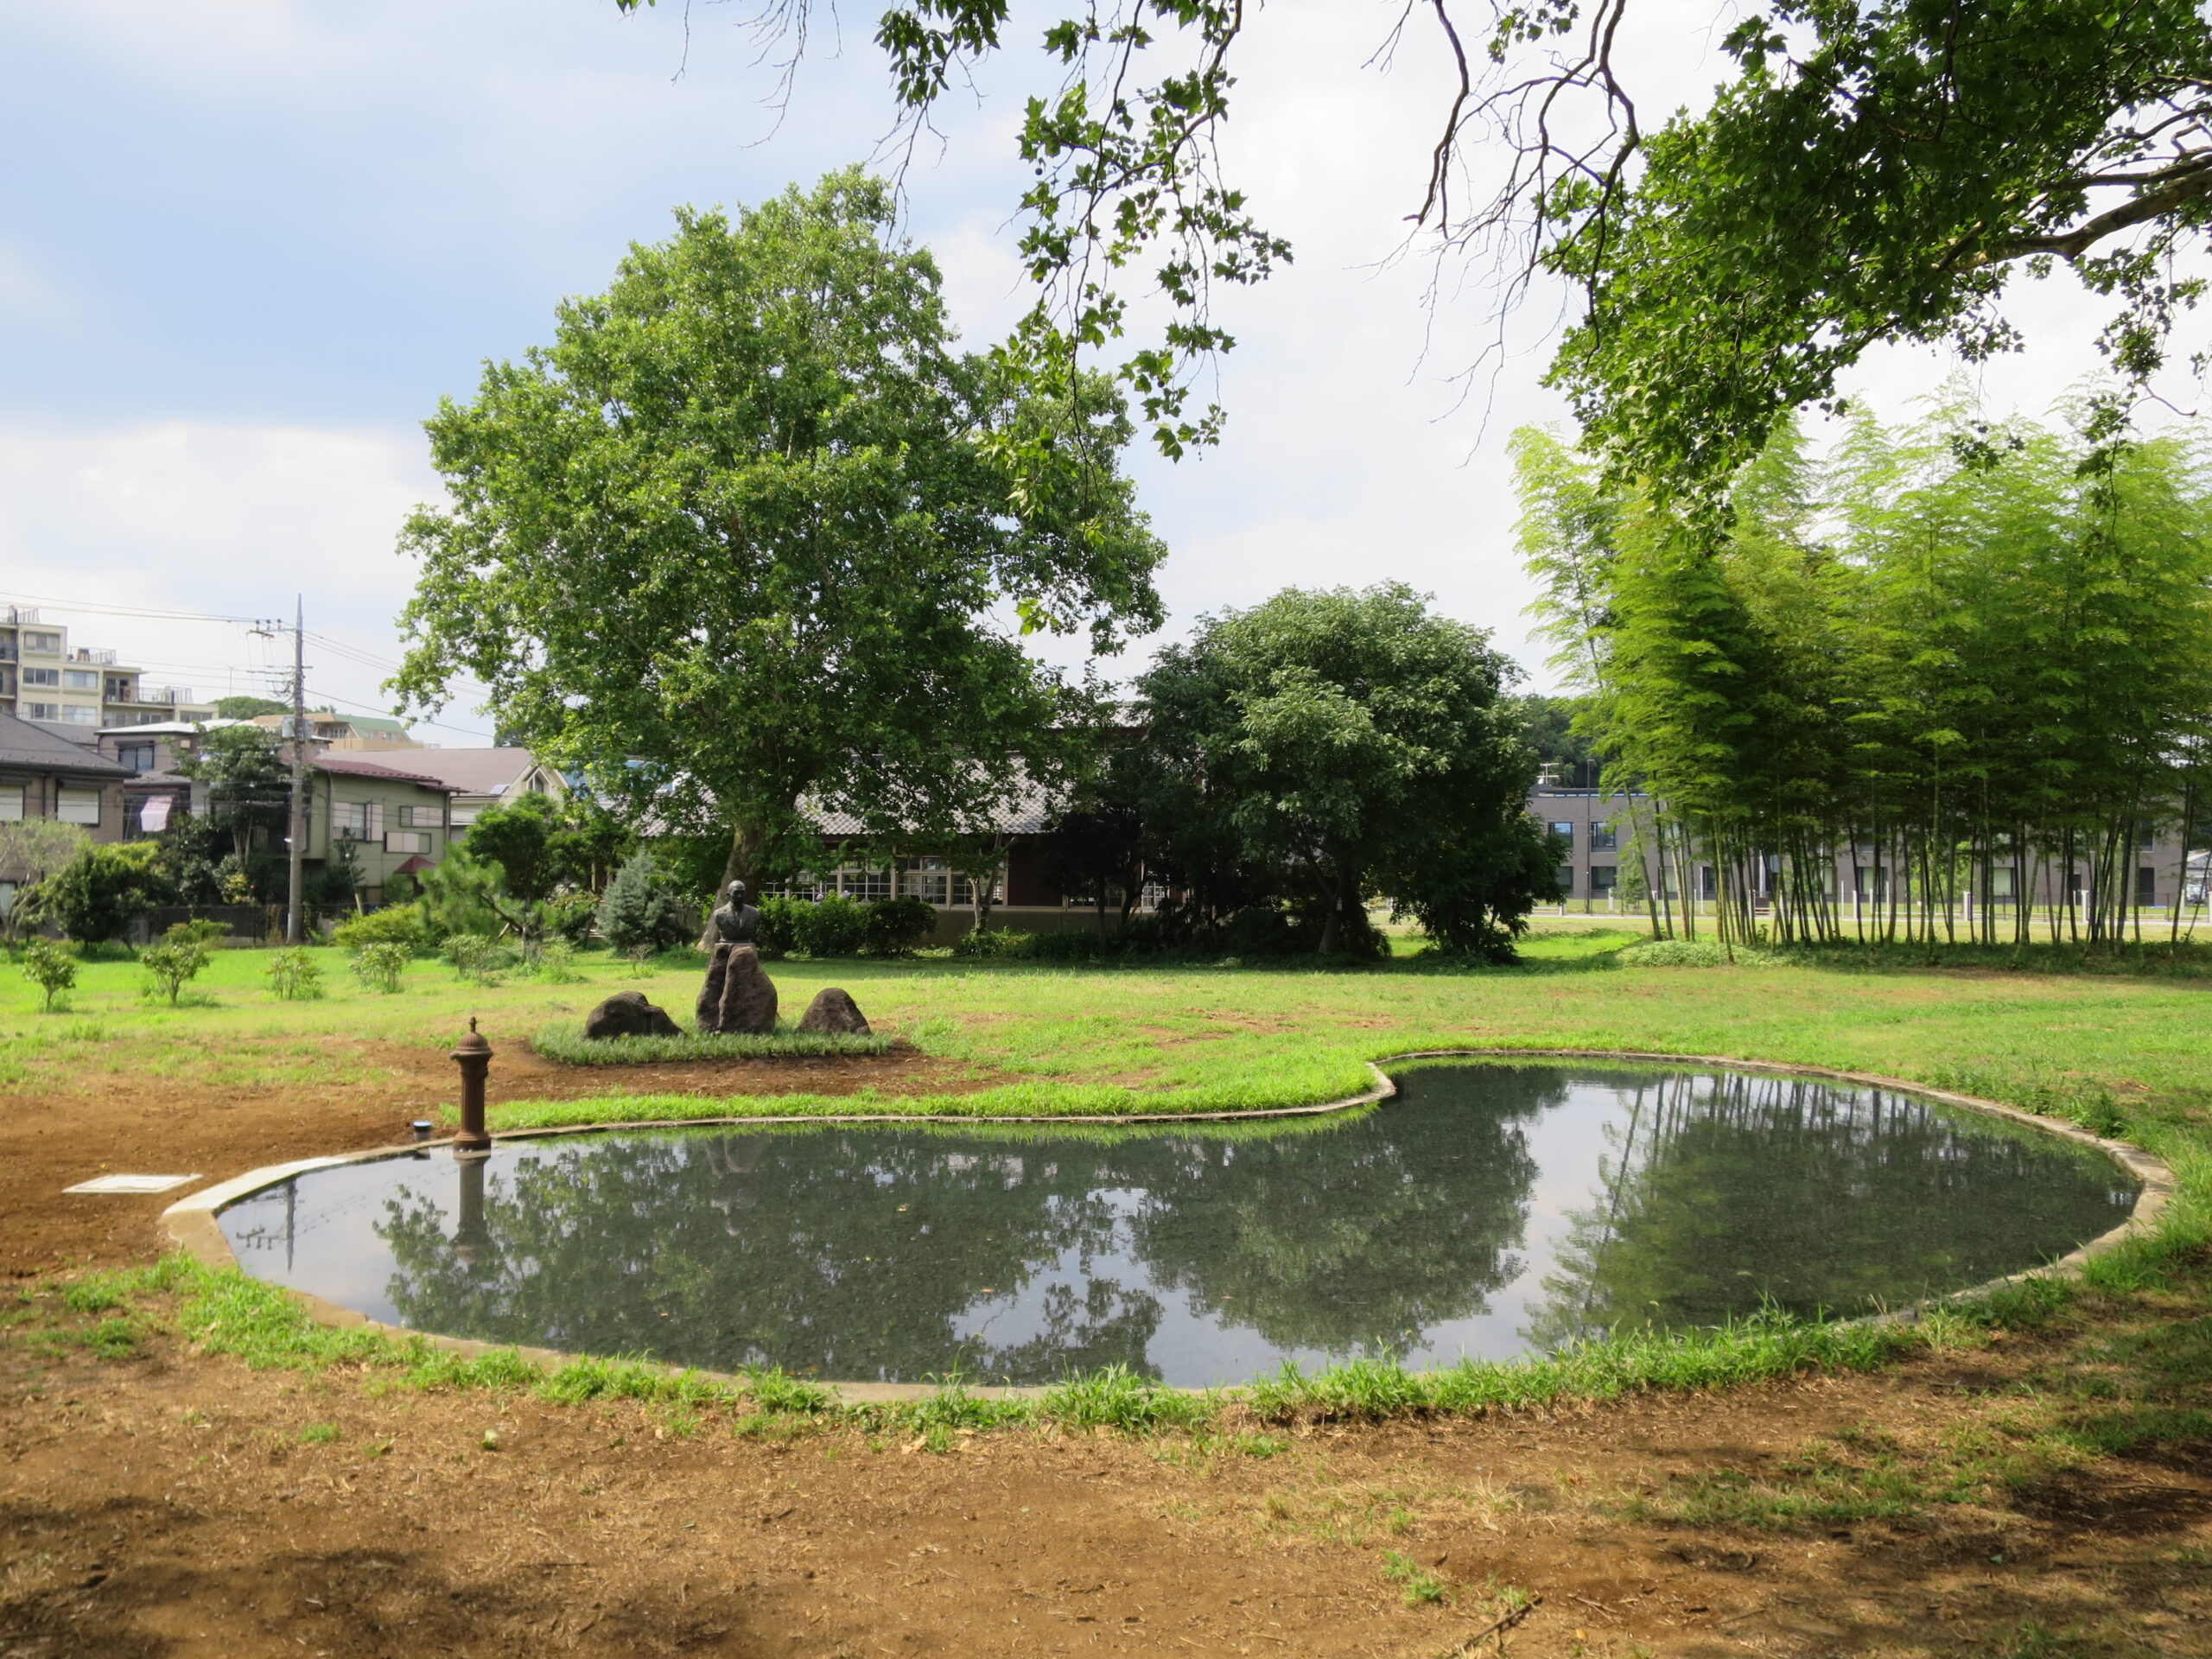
[
  {"x": 153, "y": 791},
  {"x": 486, "y": 778},
  {"x": 45, "y": 776},
  {"x": 392, "y": 821}
]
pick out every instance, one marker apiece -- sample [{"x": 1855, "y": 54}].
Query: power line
[{"x": 142, "y": 611}]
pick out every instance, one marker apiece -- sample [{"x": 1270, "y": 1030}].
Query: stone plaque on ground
[
  {"x": 834, "y": 1013},
  {"x": 627, "y": 1013}
]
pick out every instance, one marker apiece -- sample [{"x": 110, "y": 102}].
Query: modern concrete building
[{"x": 43, "y": 677}]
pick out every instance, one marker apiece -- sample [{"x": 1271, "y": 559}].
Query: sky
[{"x": 248, "y": 244}]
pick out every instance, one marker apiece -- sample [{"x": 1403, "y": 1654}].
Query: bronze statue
[{"x": 734, "y": 921}]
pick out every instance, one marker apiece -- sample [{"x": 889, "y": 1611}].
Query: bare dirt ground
[{"x": 162, "y": 1502}]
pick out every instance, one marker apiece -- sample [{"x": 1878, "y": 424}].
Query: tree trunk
[
  {"x": 1332, "y": 915},
  {"x": 747, "y": 842}
]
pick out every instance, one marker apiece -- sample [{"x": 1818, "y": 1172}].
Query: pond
[{"x": 1490, "y": 1210}]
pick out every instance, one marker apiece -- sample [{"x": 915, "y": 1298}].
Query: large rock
[
  {"x": 738, "y": 996},
  {"x": 834, "y": 1013},
  {"x": 627, "y": 1014}
]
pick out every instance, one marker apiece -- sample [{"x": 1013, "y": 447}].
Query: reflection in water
[{"x": 1492, "y": 1209}]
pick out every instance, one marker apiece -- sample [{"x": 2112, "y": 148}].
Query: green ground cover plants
[
  {"x": 564, "y": 1041},
  {"x": 223, "y": 1311}
]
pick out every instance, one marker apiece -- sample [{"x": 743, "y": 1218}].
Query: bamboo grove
[{"x": 1940, "y": 683}]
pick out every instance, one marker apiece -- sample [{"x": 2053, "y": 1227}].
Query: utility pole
[{"x": 294, "y": 922}]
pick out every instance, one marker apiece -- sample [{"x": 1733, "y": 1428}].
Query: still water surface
[{"x": 1490, "y": 1210}]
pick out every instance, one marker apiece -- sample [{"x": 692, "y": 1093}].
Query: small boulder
[
  {"x": 627, "y": 1014},
  {"x": 834, "y": 1013},
  {"x": 748, "y": 996}
]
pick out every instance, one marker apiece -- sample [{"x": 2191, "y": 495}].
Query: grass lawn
[{"x": 1024, "y": 1039}]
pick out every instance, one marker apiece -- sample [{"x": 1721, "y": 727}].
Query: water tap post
[{"x": 474, "y": 1056}]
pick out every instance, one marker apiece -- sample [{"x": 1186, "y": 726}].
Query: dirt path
[{"x": 168, "y": 1505}]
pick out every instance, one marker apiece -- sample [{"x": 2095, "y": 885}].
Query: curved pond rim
[{"x": 191, "y": 1225}]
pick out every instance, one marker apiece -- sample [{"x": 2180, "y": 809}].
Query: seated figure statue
[{"x": 734, "y": 921}]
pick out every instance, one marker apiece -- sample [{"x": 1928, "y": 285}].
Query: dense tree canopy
[
  {"x": 751, "y": 531},
  {"x": 1331, "y": 747},
  {"x": 1870, "y": 170}
]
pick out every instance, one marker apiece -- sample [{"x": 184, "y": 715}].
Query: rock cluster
[
  {"x": 627, "y": 1014},
  {"x": 738, "y": 996},
  {"x": 833, "y": 1012}
]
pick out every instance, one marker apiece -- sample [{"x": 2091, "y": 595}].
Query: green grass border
[
  {"x": 222, "y": 1311},
  {"x": 567, "y": 1045}
]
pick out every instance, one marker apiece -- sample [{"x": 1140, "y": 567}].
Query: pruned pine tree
[{"x": 1962, "y": 661}]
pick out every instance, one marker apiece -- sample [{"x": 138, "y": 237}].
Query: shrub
[
  {"x": 1075, "y": 944},
  {"x": 50, "y": 968},
  {"x": 1261, "y": 930},
  {"x": 99, "y": 892},
  {"x": 642, "y": 911},
  {"x": 474, "y": 957},
  {"x": 993, "y": 945},
  {"x": 568, "y": 917},
  {"x": 170, "y": 965},
  {"x": 1688, "y": 953},
  {"x": 293, "y": 976},
  {"x": 777, "y": 933},
  {"x": 380, "y": 966},
  {"x": 833, "y": 926},
  {"x": 897, "y": 925},
  {"x": 555, "y": 963},
  {"x": 393, "y": 925},
  {"x": 200, "y": 931}
]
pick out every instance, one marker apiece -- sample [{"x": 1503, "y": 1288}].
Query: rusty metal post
[{"x": 473, "y": 1055}]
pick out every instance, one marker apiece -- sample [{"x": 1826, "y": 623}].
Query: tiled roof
[
  {"x": 1030, "y": 811},
  {"x": 475, "y": 772},
  {"x": 26, "y": 745},
  {"x": 354, "y": 766}
]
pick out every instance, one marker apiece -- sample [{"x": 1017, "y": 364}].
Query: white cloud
[{"x": 232, "y": 520}]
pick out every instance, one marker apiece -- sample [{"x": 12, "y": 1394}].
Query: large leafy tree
[
  {"x": 751, "y": 532},
  {"x": 1869, "y": 170},
  {"x": 1352, "y": 743}
]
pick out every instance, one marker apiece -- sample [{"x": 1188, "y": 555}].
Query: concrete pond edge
[{"x": 191, "y": 1225}]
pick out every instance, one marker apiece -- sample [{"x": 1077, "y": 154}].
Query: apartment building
[{"x": 43, "y": 677}]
